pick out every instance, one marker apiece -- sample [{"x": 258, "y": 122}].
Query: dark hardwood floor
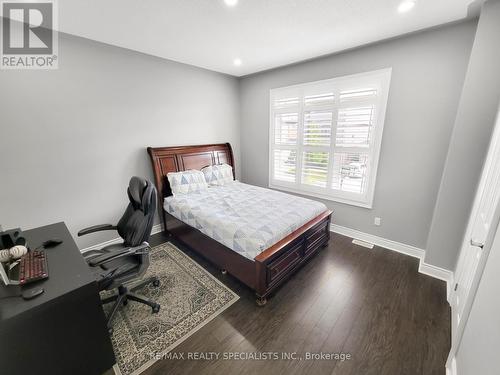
[{"x": 371, "y": 304}]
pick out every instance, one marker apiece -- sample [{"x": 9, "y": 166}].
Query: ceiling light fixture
[
  {"x": 406, "y": 6},
  {"x": 237, "y": 62},
  {"x": 231, "y": 3}
]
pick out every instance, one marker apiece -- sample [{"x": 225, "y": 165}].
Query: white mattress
[{"x": 246, "y": 218}]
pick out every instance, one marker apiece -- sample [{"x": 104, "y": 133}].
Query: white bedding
[{"x": 246, "y": 218}]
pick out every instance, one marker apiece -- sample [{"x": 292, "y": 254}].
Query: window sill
[{"x": 368, "y": 205}]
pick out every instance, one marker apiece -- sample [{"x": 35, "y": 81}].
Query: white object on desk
[
  {"x": 18, "y": 251},
  {"x": 4, "y": 256}
]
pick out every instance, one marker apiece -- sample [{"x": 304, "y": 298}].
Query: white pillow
[
  {"x": 220, "y": 174},
  {"x": 186, "y": 181}
]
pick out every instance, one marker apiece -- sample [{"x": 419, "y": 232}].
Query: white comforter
[{"x": 246, "y": 218}]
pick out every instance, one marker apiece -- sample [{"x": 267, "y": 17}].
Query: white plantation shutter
[
  {"x": 363, "y": 93},
  {"x": 317, "y": 128},
  {"x": 286, "y": 128},
  {"x": 315, "y": 168},
  {"x": 319, "y": 99},
  {"x": 286, "y": 102},
  {"x": 325, "y": 137},
  {"x": 354, "y": 126},
  {"x": 349, "y": 172},
  {"x": 285, "y": 124},
  {"x": 285, "y": 165}
]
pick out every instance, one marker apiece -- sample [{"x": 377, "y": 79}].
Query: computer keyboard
[{"x": 33, "y": 267}]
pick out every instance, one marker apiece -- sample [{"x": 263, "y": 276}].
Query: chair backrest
[{"x": 137, "y": 222}]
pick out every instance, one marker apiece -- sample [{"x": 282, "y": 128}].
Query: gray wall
[
  {"x": 427, "y": 78},
  {"x": 469, "y": 142},
  {"x": 478, "y": 350},
  {"x": 71, "y": 138}
]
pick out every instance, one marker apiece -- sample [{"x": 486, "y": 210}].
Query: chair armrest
[
  {"x": 96, "y": 228},
  {"x": 119, "y": 253},
  {"x": 92, "y": 254}
]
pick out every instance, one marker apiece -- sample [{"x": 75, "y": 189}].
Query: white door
[{"x": 478, "y": 238}]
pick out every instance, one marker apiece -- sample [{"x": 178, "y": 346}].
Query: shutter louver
[
  {"x": 286, "y": 102},
  {"x": 366, "y": 93},
  {"x": 285, "y": 164},
  {"x": 285, "y": 131},
  {"x": 354, "y": 126},
  {"x": 318, "y": 128},
  {"x": 349, "y": 172},
  {"x": 320, "y": 99},
  {"x": 315, "y": 168}
]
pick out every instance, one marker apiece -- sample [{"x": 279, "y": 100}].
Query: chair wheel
[
  {"x": 110, "y": 331},
  {"x": 156, "y": 283},
  {"x": 156, "y": 309}
]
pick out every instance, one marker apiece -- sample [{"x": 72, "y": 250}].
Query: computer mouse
[
  {"x": 32, "y": 293},
  {"x": 52, "y": 243}
]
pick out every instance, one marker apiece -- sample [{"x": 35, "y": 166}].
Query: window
[{"x": 325, "y": 137}]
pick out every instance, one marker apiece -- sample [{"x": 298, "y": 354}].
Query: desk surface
[
  {"x": 65, "y": 262},
  {"x": 63, "y": 330}
]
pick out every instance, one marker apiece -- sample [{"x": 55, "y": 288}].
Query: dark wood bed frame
[{"x": 274, "y": 265}]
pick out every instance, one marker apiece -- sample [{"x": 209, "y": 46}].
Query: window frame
[{"x": 378, "y": 78}]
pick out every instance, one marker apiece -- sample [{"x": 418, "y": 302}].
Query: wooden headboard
[{"x": 182, "y": 158}]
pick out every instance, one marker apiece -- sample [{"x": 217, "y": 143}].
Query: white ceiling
[{"x": 263, "y": 33}]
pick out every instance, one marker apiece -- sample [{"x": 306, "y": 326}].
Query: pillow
[
  {"x": 220, "y": 174},
  {"x": 186, "y": 181}
]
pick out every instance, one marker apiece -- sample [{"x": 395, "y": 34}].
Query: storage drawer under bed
[
  {"x": 318, "y": 234},
  {"x": 279, "y": 266}
]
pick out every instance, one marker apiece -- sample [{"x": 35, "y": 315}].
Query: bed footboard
[{"x": 276, "y": 264}]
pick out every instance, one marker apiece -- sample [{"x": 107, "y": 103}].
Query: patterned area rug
[{"x": 189, "y": 296}]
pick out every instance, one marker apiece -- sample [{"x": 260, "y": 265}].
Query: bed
[{"x": 254, "y": 234}]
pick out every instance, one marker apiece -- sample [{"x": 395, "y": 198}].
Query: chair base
[{"x": 125, "y": 294}]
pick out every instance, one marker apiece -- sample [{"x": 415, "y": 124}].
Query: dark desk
[{"x": 62, "y": 331}]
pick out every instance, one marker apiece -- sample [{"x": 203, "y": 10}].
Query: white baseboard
[
  {"x": 438, "y": 273},
  {"x": 156, "y": 229},
  {"x": 424, "y": 268},
  {"x": 379, "y": 241}
]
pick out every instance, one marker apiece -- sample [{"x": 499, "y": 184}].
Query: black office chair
[{"x": 117, "y": 264}]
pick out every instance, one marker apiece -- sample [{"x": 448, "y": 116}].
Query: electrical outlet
[{"x": 377, "y": 221}]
